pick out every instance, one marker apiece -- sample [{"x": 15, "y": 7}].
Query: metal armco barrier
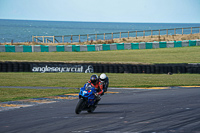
[
  {"x": 98, "y": 47},
  {"x": 44, "y": 67}
]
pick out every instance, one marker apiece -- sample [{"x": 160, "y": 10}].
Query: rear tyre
[{"x": 80, "y": 105}]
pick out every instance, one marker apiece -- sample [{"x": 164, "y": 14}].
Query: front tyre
[{"x": 80, "y": 105}]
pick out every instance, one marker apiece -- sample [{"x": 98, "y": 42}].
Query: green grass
[
  {"x": 79, "y": 79},
  {"x": 12, "y": 94},
  {"x": 152, "y": 56},
  {"x": 163, "y": 55}
]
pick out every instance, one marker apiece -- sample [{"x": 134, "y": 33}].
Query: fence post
[
  {"x": 53, "y": 39},
  {"x": 112, "y": 35},
  {"x": 144, "y": 34},
  {"x": 32, "y": 38},
  {"x": 167, "y": 32},
  {"x": 96, "y": 37},
  {"x": 128, "y": 34},
  {"x": 43, "y": 39},
  {"x": 87, "y": 37},
  {"x": 71, "y": 38},
  {"x": 63, "y": 39},
  {"x": 120, "y": 35},
  {"x": 182, "y": 31},
  {"x": 79, "y": 38},
  {"x": 104, "y": 36},
  {"x": 191, "y": 30},
  {"x": 174, "y": 31},
  {"x": 136, "y": 34},
  {"x": 151, "y": 33},
  {"x": 159, "y": 32}
]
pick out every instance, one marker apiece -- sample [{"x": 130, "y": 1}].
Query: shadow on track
[
  {"x": 102, "y": 104},
  {"x": 105, "y": 112}
]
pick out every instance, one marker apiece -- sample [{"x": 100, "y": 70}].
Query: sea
[{"x": 23, "y": 30}]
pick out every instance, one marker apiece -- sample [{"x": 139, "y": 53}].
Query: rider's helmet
[
  {"x": 103, "y": 77},
  {"x": 94, "y": 79}
]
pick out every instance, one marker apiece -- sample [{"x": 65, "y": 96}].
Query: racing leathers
[
  {"x": 105, "y": 84},
  {"x": 98, "y": 86}
]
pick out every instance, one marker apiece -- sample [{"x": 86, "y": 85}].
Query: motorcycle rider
[
  {"x": 104, "y": 79},
  {"x": 98, "y": 85}
]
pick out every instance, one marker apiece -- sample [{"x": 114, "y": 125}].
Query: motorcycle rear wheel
[{"x": 79, "y": 107}]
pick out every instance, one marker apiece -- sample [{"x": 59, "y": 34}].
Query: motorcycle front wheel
[{"x": 79, "y": 107}]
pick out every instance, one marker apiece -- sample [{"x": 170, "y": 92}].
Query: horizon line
[{"x": 97, "y": 21}]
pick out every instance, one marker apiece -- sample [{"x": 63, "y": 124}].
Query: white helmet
[{"x": 103, "y": 76}]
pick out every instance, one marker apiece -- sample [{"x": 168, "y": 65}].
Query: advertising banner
[{"x": 53, "y": 68}]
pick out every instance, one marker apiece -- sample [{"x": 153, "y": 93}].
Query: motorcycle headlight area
[{"x": 88, "y": 88}]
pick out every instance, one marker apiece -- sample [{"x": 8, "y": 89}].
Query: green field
[
  {"x": 10, "y": 94},
  {"x": 150, "y": 56},
  {"x": 75, "y": 80}
]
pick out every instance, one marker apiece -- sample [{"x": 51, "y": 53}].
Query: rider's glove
[{"x": 96, "y": 94}]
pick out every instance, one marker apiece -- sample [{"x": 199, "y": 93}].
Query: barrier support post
[
  {"x": 144, "y": 34},
  {"x": 33, "y": 38},
  {"x": 43, "y": 39},
  {"x": 167, "y": 32},
  {"x": 71, "y": 38},
  {"x": 182, "y": 31},
  {"x": 112, "y": 35},
  {"x": 136, "y": 34},
  {"x": 128, "y": 34},
  {"x": 87, "y": 37},
  {"x": 174, "y": 31}
]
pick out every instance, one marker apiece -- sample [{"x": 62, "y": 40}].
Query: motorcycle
[{"x": 87, "y": 99}]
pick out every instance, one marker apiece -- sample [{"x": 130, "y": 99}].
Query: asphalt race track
[{"x": 171, "y": 110}]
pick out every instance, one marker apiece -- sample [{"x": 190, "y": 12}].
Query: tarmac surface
[{"x": 122, "y": 110}]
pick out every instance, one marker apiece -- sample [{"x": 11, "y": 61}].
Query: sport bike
[{"x": 87, "y": 99}]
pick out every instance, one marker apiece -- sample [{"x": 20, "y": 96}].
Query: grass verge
[
  {"x": 150, "y": 56},
  {"x": 12, "y": 94},
  {"x": 79, "y": 79}
]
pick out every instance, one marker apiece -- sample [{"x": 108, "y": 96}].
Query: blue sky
[{"x": 154, "y": 11}]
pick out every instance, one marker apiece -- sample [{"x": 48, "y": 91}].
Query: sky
[{"x": 144, "y": 11}]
